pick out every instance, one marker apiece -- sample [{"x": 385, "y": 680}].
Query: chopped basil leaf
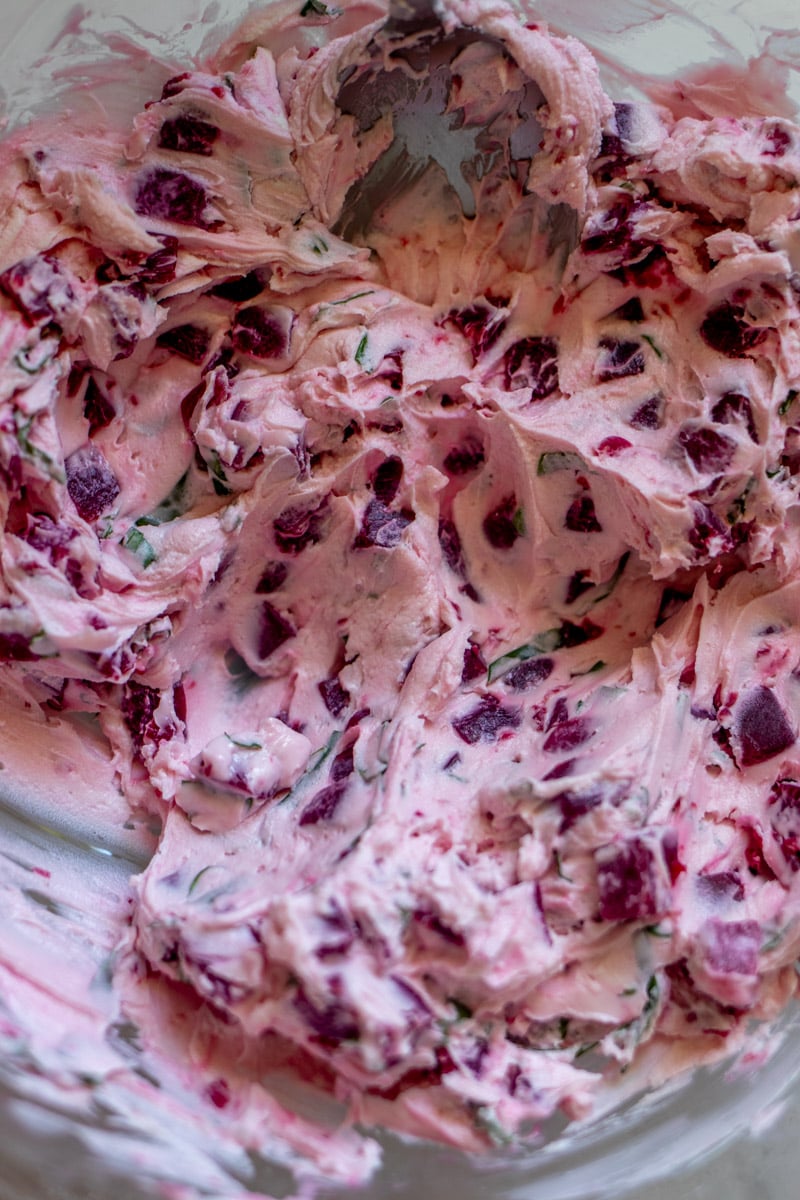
[
  {"x": 559, "y": 460},
  {"x": 135, "y": 541}
]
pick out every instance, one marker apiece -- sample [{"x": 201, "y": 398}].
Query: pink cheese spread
[{"x": 399, "y": 446}]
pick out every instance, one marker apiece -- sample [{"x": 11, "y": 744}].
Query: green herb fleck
[
  {"x": 657, "y": 931},
  {"x": 318, "y": 245},
  {"x": 173, "y": 505},
  {"x": 244, "y": 745},
  {"x": 598, "y": 666},
  {"x": 786, "y": 404},
  {"x": 135, "y": 541},
  {"x": 348, "y": 299},
  {"x": 651, "y": 343},
  {"x": 559, "y": 460},
  {"x": 518, "y": 521},
  {"x": 361, "y": 351}
]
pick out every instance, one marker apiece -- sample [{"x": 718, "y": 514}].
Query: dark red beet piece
[
  {"x": 298, "y": 527},
  {"x": 501, "y": 525},
  {"x": 578, "y": 584},
  {"x": 627, "y": 881},
  {"x": 386, "y": 479},
  {"x": 481, "y": 324},
  {"x": 381, "y": 526},
  {"x": 732, "y": 407},
  {"x": 218, "y": 1093},
  {"x": 139, "y": 703},
  {"x": 566, "y": 735},
  {"x": 274, "y": 629},
  {"x": 428, "y": 919},
  {"x": 97, "y": 408},
  {"x": 731, "y": 947},
  {"x": 39, "y": 287},
  {"x": 159, "y": 267},
  {"x": 527, "y": 674},
  {"x": 707, "y": 450},
  {"x": 272, "y": 577},
  {"x": 464, "y": 458},
  {"x": 631, "y": 311},
  {"x": 708, "y": 535},
  {"x": 486, "y": 722},
  {"x": 15, "y": 647},
  {"x": 571, "y": 634},
  {"x": 649, "y": 414},
  {"x": 575, "y": 805},
  {"x": 343, "y": 764},
  {"x": 91, "y": 483},
  {"x": 619, "y": 359},
  {"x": 450, "y": 542},
  {"x": 324, "y": 805},
  {"x": 173, "y": 196},
  {"x": 335, "y": 697},
  {"x": 532, "y": 363},
  {"x": 240, "y": 289},
  {"x": 725, "y": 329},
  {"x": 259, "y": 333},
  {"x": 581, "y": 516},
  {"x": 723, "y": 885},
  {"x": 762, "y": 727},
  {"x": 334, "y": 1023},
  {"x": 613, "y": 445},
  {"x": 188, "y": 135},
  {"x": 777, "y": 140},
  {"x": 609, "y": 229},
  {"x": 474, "y": 664},
  {"x": 188, "y": 341}
]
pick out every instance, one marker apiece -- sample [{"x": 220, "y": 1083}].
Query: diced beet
[
  {"x": 323, "y": 806},
  {"x": 725, "y": 329},
  {"x": 486, "y": 722},
  {"x": 560, "y": 712},
  {"x": 298, "y": 527},
  {"x": 481, "y": 324},
  {"x": 707, "y": 450},
  {"x": 708, "y": 535},
  {"x": 139, "y": 703},
  {"x": 754, "y": 853},
  {"x": 174, "y": 85},
  {"x": 218, "y": 1093},
  {"x": 273, "y": 630},
  {"x": 159, "y": 267},
  {"x": 762, "y": 727},
  {"x": 386, "y": 479},
  {"x": 173, "y": 196},
  {"x": 263, "y": 332},
  {"x": 731, "y": 947},
  {"x": 333, "y": 1024},
  {"x": 381, "y": 526},
  {"x": 619, "y": 359},
  {"x": 532, "y": 363},
  {"x": 501, "y": 526},
  {"x": 15, "y": 647},
  {"x": 97, "y": 408},
  {"x": 474, "y": 664},
  {"x": 627, "y": 880},
  {"x": 649, "y": 414},
  {"x": 631, "y": 311},
  {"x": 188, "y": 135},
  {"x": 567, "y": 735},
  {"x": 343, "y": 764},
  {"x": 528, "y": 673},
  {"x": 671, "y": 847},
  {"x": 785, "y": 805},
  {"x": 240, "y": 288},
  {"x": 91, "y": 483},
  {"x": 464, "y": 458},
  {"x": 734, "y": 406},
  {"x": 721, "y": 886},
  {"x": 613, "y": 445},
  {"x": 777, "y": 139},
  {"x": 335, "y": 697},
  {"x": 450, "y": 542},
  {"x": 188, "y": 341},
  {"x": 575, "y": 805},
  {"x": 571, "y": 634},
  {"x": 391, "y": 370},
  {"x": 577, "y": 585},
  {"x": 581, "y": 516},
  {"x": 608, "y": 229},
  {"x": 40, "y": 287},
  {"x": 51, "y": 537},
  {"x": 562, "y": 769}
]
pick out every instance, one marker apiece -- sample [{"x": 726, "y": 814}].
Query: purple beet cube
[
  {"x": 630, "y": 882},
  {"x": 532, "y": 364},
  {"x": 761, "y": 726},
  {"x": 188, "y": 135},
  {"x": 731, "y": 947},
  {"x": 187, "y": 341},
  {"x": 486, "y": 722},
  {"x": 707, "y": 450},
  {"x": 273, "y": 630},
  {"x": 726, "y": 330},
  {"x": 263, "y": 332},
  {"x": 619, "y": 359},
  {"x": 92, "y": 485},
  {"x": 581, "y": 516},
  {"x": 173, "y": 196},
  {"x": 382, "y": 526},
  {"x": 502, "y": 526}
]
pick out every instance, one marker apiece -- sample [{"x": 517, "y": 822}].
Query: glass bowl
[{"x": 728, "y": 1129}]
